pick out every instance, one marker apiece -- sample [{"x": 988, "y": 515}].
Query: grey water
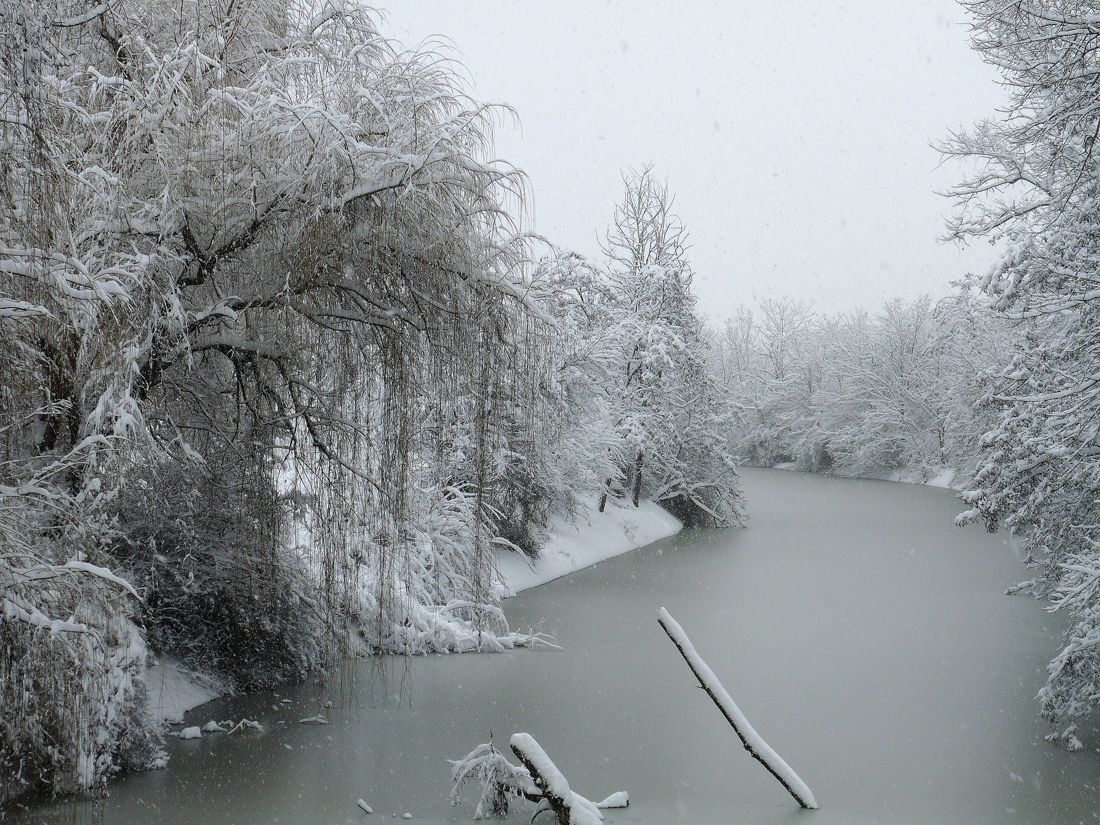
[{"x": 865, "y": 637}]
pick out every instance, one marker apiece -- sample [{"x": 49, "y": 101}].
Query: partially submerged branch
[
  {"x": 537, "y": 779},
  {"x": 754, "y": 744},
  {"x": 571, "y": 808}
]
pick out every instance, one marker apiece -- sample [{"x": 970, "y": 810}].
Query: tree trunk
[
  {"x": 603, "y": 498},
  {"x": 638, "y": 478}
]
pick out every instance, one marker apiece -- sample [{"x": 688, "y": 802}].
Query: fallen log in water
[
  {"x": 536, "y": 779},
  {"x": 571, "y": 808},
  {"x": 752, "y": 740}
]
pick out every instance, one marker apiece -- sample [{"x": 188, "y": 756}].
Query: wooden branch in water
[
  {"x": 568, "y": 806},
  {"x": 754, "y": 744}
]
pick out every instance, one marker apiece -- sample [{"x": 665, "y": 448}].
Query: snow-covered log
[
  {"x": 754, "y": 744},
  {"x": 571, "y": 808},
  {"x": 536, "y": 780}
]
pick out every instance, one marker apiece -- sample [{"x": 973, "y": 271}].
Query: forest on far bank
[{"x": 284, "y": 366}]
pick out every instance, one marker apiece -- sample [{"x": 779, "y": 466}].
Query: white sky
[{"x": 795, "y": 134}]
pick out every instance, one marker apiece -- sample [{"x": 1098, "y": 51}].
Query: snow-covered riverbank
[
  {"x": 588, "y": 539},
  {"x": 173, "y": 689},
  {"x": 946, "y": 478}
]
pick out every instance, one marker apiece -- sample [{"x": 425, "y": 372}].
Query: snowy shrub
[
  {"x": 441, "y": 588},
  {"x": 501, "y": 782},
  {"x": 71, "y": 692}
]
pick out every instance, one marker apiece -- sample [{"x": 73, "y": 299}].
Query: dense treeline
[
  {"x": 897, "y": 393},
  {"x": 279, "y": 373}
]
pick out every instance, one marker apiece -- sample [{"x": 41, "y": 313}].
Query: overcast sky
[{"x": 795, "y": 135}]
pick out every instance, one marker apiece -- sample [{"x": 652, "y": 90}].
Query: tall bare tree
[{"x": 672, "y": 418}]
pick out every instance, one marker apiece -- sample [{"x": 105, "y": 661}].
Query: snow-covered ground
[
  {"x": 946, "y": 478},
  {"x": 173, "y": 690},
  {"x": 591, "y": 538}
]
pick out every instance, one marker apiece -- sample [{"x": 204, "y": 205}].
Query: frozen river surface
[{"x": 866, "y": 639}]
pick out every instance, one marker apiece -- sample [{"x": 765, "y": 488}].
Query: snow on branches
[
  {"x": 634, "y": 364},
  {"x": 536, "y": 779},
  {"x": 259, "y": 292},
  {"x": 883, "y": 394},
  {"x": 1037, "y": 187},
  {"x": 72, "y": 660}
]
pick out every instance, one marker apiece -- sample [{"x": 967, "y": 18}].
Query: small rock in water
[
  {"x": 192, "y": 732},
  {"x": 406, "y": 815},
  {"x": 212, "y": 727},
  {"x": 364, "y": 807}
]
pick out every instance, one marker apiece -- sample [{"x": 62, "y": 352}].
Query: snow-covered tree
[
  {"x": 1037, "y": 189},
  {"x": 672, "y": 419},
  {"x": 258, "y": 288},
  {"x": 892, "y": 413},
  {"x": 860, "y": 394},
  {"x": 774, "y": 390},
  {"x": 71, "y": 658},
  {"x": 580, "y": 385}
]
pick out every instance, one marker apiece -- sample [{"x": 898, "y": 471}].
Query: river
[{"x": 865, "y": 637}]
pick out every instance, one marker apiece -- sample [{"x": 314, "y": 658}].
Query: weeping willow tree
[{"x": 270, "y": 357}]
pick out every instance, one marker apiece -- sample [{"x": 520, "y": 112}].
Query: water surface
[{"x": 866, "y": 638}]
